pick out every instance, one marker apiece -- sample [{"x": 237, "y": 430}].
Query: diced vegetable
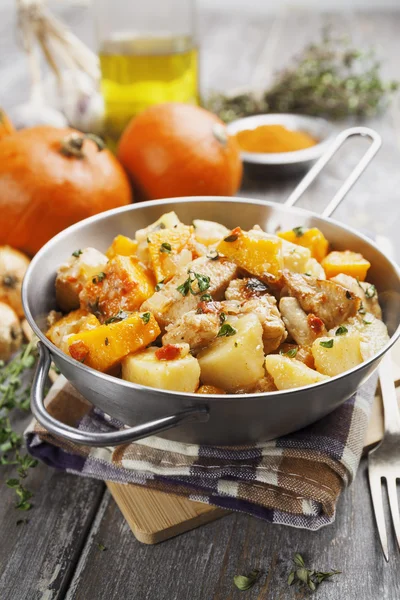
[
  {"x": 334, "y": 355},
  {"x": 260, "y": 257},
  {"x": 314, "y": 269},
  {"x": 163, "y": 245},
  {"x": 210, "y": 389},
  {"x": 75, "y": 273},
  {"x": 124, "y": 285},
  {"x": 73, "y": 322},
  {"x": 347, "y": 262},
  {"x": 180, "y": 374},
  {"x": 209, "y": 232},
  {"x": 123, "y": 246},
  {"x": 107, "y": 345},
  {"x": 295, "y": 258},
  {"x": 289, "y": 373},
  {"x": 235, "y": 360},
  {"x": 312, "y": 238}
]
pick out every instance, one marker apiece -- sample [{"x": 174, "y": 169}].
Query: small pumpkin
[
  {"x": 175, "y": 149},
  {"x": 6, "y": 127},
  {"x": 13, "y": 265},
  {"x": 50, "y": 178}
]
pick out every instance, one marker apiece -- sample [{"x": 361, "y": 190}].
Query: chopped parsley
[
  {"x": 370, "y": 291},
  {"x": 362, "y": 310},
  {"x": 99, "y": 277},
  {"x": 145, "y": 317},
  {"x": 77, "y": 253},
  {"x": 213, "y": 255},
  {"x": 159, "y": 285},
  {"x": 299, "y": 231},
  {"x": 166, "y": 248},
  {"x": 203, "y": 281},
  {"x": 226, "y": 330},
  {"x": 327, "y": 344},
  {"x": 120, "y": 316},
  {"x": 206, "y": 298},
  {"x": 341, "y": 330},
  {"x": 290, "y": 353}
]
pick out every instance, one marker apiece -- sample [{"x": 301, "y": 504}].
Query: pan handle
[
  {"x": 326, "y": 157},
  {"x": 114, "y": 438}
]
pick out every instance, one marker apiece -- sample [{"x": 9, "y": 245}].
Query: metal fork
[{"x": 384, "y": 460}]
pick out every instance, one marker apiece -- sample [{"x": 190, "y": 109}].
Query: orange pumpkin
[
  {"x": 51, "y": 178},
  {"x": 177, "y": 149},
  {"x": 6, "y": 127}
]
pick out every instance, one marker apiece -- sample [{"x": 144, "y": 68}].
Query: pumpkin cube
[
  {"x": 347, "y": 262},
  {"x": 124, "y": 285},
  {"x": 107, "y": 345},
  {"x": 74, "y": 322},
  {"x": 313, "y": 239},
  {"x": 164, "y": 245},
  {"x": 123, "y": 246},
  {"x": 259, "y": 256},
  {"x": 180, "y": 374}
]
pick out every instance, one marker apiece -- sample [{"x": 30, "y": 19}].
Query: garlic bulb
[{"x": 34, "y": 113}]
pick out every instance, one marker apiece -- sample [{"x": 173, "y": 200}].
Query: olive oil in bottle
[{"x": 140, "y": 71}]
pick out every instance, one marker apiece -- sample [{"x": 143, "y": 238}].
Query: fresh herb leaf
[
  {"x": 370, "y": 291},
  {"x": 184, "y": 288},
  {"x": 203, "y": 282},
  {"x": 290, "y": 353},
  {"x": 362, "y": 310},
  {"x": 226, "y": 331},
  {"x": 94, "y": 307},
  {"x": 367, "y": 322},
  {"x": 120, "y": 316},
  {"x": 291, "y": 578},
  {"x": 77, "y": 253},
  {"x": 145, "y": 317},
  {"x": 307, "y": 274},
  {"x": 206, "y": 298},
  {"x": 341, "y": 330},
  {"x": 99, "y": 277},
  {"x": 327, "y": 344},
  {"x": 165, "y": 247},
  {"x": 245, "y": 582},
  {"x": 231, "y": 238},
  {"x": 307, "y": 577},
  {"x": 299, "y": 231},
  {"x": 213, "y": 255},
  {"x": 159, "y": 285},
  {"x": 101, "y": 547}
]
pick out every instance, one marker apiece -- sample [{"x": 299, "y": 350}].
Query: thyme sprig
[
  {"x": 14, "y": 395},
  {"x": 308, "y": 578},
  {"x": 330, "y": 78}
]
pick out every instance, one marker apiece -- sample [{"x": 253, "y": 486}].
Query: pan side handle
[
  {"x": 376, "y": 142},
  {"x": 114, "y": 438}
]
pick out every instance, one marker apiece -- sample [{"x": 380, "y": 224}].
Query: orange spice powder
[{"x": 274, "y": 138}]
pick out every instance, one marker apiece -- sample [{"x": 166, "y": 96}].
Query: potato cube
[
  {"x": 180, "y": 374},
  {"x": 107, "y": 345},
  {"x": 123, "y": 246},
  {"x": 313, "y": 239},
  {"x": 315, "y": 269},
  {"x": 335, "y": 355},
  {"x": 163, "y": 246},
  {"x": 295, "y": 258},
  {"x": 124, "y": 285},
  {"x": 74, "y": 322},
  {"x": 73, "y": 275},
  {"x": 209, "y": 232},
  {"x": 258, "y": 255},
  {"x": 289, "y": 373},
  {"x": 236, "y": 362},
  {"x": 347, "y": 262}
]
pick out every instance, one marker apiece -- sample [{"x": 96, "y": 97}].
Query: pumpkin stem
[{"x": 72, "y": 144}]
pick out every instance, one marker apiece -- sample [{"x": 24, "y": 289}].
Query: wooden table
[{"x": 57, "y": 555}]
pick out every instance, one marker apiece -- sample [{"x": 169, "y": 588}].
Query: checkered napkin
[{"x": 294, "y": 480}]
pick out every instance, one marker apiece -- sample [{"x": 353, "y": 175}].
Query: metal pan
[{"x": 191, "y": 418}]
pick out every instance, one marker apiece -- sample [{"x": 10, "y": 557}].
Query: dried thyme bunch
[{"x": 330, "y": 79}]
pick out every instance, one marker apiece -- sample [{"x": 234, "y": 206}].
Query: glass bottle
[{"x": 148, "y": 54}]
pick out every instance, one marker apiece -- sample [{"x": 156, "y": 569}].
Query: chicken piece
[
  {"x": 73, "y": 275},
  {"x": 365, "y": 291},
  {"x": 245, "y": 289},
  {"x": 265, "y": 309},
  {"x": 175, "y": 298},
  {"x": 329, "y": 301},
  {"x": 193, "y": 328},
  {"x": 74, "y": 322},
  {"x": 303, "y": 328}
]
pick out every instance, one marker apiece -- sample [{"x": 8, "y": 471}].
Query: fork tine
[
  {"x": 377, "y": 502},
  {"x": 394, "y": 507}
]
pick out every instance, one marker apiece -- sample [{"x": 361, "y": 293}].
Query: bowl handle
[{"x": 114, "y": 438}]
